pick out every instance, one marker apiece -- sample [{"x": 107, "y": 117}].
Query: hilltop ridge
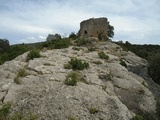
[{"x": 114, "y": 86}]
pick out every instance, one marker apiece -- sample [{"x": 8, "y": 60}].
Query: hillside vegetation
[{"x": 149, "y": 52}]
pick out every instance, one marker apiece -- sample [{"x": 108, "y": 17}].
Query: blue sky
[{"x": 26, "y": 21}]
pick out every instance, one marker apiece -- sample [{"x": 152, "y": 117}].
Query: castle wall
[{"x": 94, "y": 27}]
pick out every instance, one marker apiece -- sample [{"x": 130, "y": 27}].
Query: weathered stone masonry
[{"x": 94, "y": 27}]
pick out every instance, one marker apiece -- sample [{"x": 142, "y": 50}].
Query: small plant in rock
[
  {"x": 71, "y": 118},
  {"x": 24, "y": 116},
  {"x": 22, "y": 73},
  {"x": 102, "y": 55},
  {"x": 93, "y": 110},
  {"x": 67, "y": 66},
  {"x": 141, "y": 91},
  {"x": 104, "y": 87},
  {"x": 101, "y": 119},
  {"x": 76, "y": 48},
  {"x": 91, "y": 48},
  {"x": 105, "y": 77},
  {"x": 78, "y": 64},
  {"x": 4, "y": 111},
  {"x": 158, "y": 108},
  {"x": 97, "y": 62},
  {"x": 47, "y": 64},
  {"x": 33, "y": 54},
  {"x": 123, "y": 63},
  {"x": 72, "y": 79},
  {"x": 17, "y": 80},
  {"x": 137, "y": 117}
]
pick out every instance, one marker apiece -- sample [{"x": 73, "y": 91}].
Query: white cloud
[
  {"x": 33, "y": 39},
  {"x": 130, "y": 18},
  {"x": 42, "y": 37}
]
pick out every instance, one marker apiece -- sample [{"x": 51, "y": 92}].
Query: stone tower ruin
[{"x": 94, "y": 27}]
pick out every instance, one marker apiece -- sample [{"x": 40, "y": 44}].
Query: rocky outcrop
[
  {"x": 51, "y": 37},
  {"x": 109, "y": 91}
]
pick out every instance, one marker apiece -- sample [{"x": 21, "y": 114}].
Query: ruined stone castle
[{"x": 94, "y": 27}]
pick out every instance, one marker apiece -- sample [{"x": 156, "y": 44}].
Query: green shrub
[
  {"x": 72, "y": 79},
  {"x": 67, "y": 66},
  {"x": 47, "y": 64},
  {"x": 24, "y": 116},
  {"x": 141, "y": 91},
  {"x": 22, "y": 73},
  {"x": 105, "y": 77},
  {"x": 158, "y": 108},
  {"x": 4, "y": 111},
  {"x": 71, "y": 118},
  {"x": 59, "y": 44},
  {"x": 78, "y": 64},
  {"x": 76, "y": 48},
  {"x": 83, "y": 42},
  {"x": 102, "y": 55},
  {"x": 104, "y": 87},
  {"x": 91, "y": 48},
  {"x": 73, "y": 36},
  {"x": 137, "y": 117},
  {"x": 93, "y": 110},
  {"x": 33, "y": 54},
  {"x": 154, "y": 67},
  {"x": 123, "y": 63},
  {"x": 13, "y": 52}
]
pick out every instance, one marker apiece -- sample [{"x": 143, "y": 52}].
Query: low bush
[
  {"x": 93, "y": 110},
  {"x": 13, "y": 52},
  {"x": 123, "y": 63},
  {"x": 59, "y": 44},
  {"x": 67, "y": 66},
  {"x": 141, "y": 91},
  {"x": 102, "y": 55},
  {"x": 78, "y": 64},
  {"x": 17, "y": 80},
  {"x": 91, "y": 48},
  {"x": 83, "y": 42},
  {"x": 76, "y": 48},
  {"x": 158, "y": 108},
  {"x": 71, "y": 118},
  {"x": 4, "y": 111},
  {"x": 33, "y": 54},
  {"x": 107, "y": 77},
  {"x": 22, "y": 73},
  {"x": 72, "y": 79},
  {"x": 137, "y": 117},
  {"x": 73, "y": 36},
  {"x": 104, "y": 87},
  {"x": 24, "y": 116}
]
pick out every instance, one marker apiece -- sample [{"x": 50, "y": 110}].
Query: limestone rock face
[
  {"x": 136, "y": 64},
  {"x": 109, "y": 91}
]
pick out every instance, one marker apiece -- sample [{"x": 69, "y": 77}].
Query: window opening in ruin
[{"x": 85, "y": 32}]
